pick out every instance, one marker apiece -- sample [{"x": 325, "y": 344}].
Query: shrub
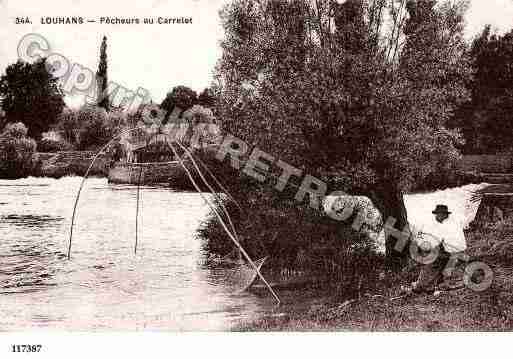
[
  {"x": 16, "y": 150},
  {"x": 90, "y": 127},
  {"x": 69, "y": 126},
  {"x": 492, "y": 243},
  {"x": 94, "y": 129},
  {"x": 293, "y": 235},
  {"x": 296, "y": 240},
  {"x": 203, "y": 126},
  {"x": 199, "y": 114}
]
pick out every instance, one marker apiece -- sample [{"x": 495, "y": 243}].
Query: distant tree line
[
  {"x": 31, "y": 95},
  {"x": 486, "y": 120},
  {"x": 33, "y": 115},
  {"x": 184, "y": 98}
]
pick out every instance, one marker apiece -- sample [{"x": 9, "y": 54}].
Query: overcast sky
[{"x": 156, "y": 57}]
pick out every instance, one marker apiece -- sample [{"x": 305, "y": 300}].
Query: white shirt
[{"x": 448, "y": 233}]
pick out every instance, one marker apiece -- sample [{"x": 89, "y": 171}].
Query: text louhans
[{"x": 109, "y": 20}]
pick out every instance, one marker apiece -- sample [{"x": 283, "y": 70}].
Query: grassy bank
[
  {"x": 69, "y": 163},
  {"x": 382, "y": 307},
  {"x": 355, "y": 290}
]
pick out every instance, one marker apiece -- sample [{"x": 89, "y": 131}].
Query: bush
[
  {"x": 90, "y": 127},
  {"x": 16, "y": 150},
  {"x": 69, "y": 126},
  {"x": 203, "y": 126},
  {"x": 296, "y": 240},
  {"x": 293, "y": 235},
  {"x": 492, "y": 243},
  {"x": 94, "y": 130},
  {"x": 199, "y": 114}
]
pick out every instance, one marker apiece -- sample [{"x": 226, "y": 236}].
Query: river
[{"x": 105, "y": 286}]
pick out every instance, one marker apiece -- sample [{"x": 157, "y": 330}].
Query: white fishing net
[{"x": 462, "y": 202}]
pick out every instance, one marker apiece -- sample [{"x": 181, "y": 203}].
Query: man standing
[{"x": 441, "y": 239}]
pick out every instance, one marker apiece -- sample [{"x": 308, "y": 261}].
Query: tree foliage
[
  {"x": 16, "y": 150},
  {"x": 182, "y": 97},
  {"x": 31, "y": 95},
  {"x": 358, "y": 93},
  {"x": 102, "y": 77},
  {"x": 207, "y": 98},
  {"x": 202, "y": 126},
  {"x": 90, "y": 126},
  {"x": 69, "y": 126},
  {"x": 487, "y": 119}
]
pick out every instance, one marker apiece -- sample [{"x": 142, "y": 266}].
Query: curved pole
[
  {"x": 218, "y": 183},
  {"x": 255, "y": 267},
  {"x": 248, "y": 258},
  {"x": 191, "y": 156},
  {"x": 84, "y": 179},
  {"x": 218, "y": 199},
  {"x": 137, "y": 211}
]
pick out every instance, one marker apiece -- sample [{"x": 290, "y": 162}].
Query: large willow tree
[{"x": 356, "y": 93}]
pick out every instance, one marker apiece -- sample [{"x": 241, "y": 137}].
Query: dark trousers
[{"x": 433, "y": 274}]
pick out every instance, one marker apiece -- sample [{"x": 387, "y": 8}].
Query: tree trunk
[{"x": 390, "y": 202}]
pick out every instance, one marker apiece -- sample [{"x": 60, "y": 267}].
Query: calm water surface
[{"x": 104, "y": 286}]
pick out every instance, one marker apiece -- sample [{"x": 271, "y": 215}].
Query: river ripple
[{"x": 105, "y": 286}]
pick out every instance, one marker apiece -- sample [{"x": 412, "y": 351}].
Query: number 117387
[{"x": 16, "y": 348}]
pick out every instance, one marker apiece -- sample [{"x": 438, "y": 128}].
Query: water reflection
[
  {"x": 105, "y": 286},
  {"x": 40, "y": 221}
]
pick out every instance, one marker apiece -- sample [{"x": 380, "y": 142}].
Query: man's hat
[{"x": 441, "y": 208}]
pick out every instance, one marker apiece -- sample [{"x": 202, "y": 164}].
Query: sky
[{"x": 156, "y": 57}]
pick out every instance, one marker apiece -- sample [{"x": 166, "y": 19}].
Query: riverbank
[
  {"x": 69, "y": 163},
  {"x": 383, "y": 308},
  {"x": 76, "y": 163}
]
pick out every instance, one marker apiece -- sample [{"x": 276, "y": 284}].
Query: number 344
[{"x": 26, "y": 348}]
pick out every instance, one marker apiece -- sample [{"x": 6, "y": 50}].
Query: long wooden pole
[
  {"x": 214, "y": 193},
  {"x": 224, "y": 190},
  {"x": 137, "y": 211},
  {"x": 77, "y": 198},
  {"x": 82, "y": 183},
  {"x": 242, "y": 250}
]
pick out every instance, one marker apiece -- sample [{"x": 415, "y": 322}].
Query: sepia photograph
[{"x": 255, "y": 166}]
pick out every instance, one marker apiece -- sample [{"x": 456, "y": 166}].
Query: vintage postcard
[{"x": 274, "y": 166}]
